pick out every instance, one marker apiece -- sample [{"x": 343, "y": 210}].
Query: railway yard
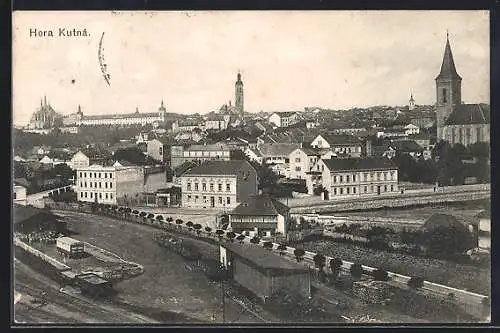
[{"x": 170, "y": 290}]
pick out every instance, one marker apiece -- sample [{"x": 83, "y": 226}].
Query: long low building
[{"x": 264, "y": 273}]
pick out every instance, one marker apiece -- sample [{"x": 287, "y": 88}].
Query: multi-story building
[
  {"x": 458, "y": 122},
  {"x": 283, "y": 119},
  {"x": 301, "y": 161},
  {"x": 274, "y": 154},
  {"x": 108, "y": 184},
  {"x": 180, "y": 154},
  {"x": 341, "y": 145},
  {"x": 355, "y": 177},
  {"x": 261, "y": 214},
  {"x": 218, "y": 184},
  {"x": 119, "y": 119}
]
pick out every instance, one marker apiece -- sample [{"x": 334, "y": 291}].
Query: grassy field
[{"x": 469, "y": 277}]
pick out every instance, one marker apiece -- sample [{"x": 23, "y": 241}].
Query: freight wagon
[
  {"x": 70, "y": 247},
  {"x": 91, "y": 284},
  {"x": 180, "y": 246}
]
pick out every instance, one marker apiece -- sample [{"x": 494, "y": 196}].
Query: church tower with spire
[
  {"x": 448, "y": 89},
  {"x": 238, "y": 100},
  {"x": 411, "y": 103}
]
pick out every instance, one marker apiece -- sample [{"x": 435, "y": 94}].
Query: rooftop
[
  {"x": 277, "y": 149},
  {"x": 468, "y": 114},
  {"x": 217, "y": 168},
  {"x": 333, "y": 139},
  {"x": 262, "y": 257},
  {"x": 260, "y": 205},
  {"x": 368, "y": 163}
]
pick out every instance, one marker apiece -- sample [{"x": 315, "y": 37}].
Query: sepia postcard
[{"x": 251, "y": 167}]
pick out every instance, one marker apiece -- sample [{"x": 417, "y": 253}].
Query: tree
[
  {"x": 255, "y": 240},
  {"x": 448, "y": 240},
  {"x": 170, "y": 219},
  {"x": 356, "y": 270},
  {"x": 299, "y": 254},
  {"x": 415, "y": 282},
  {"x": 208, "y": 229},
  {"x": 268, "y": 246},
  {"x": 319, "y": 261},
  {"x": 335, "y": 266},
  {"x": 282, "y": 248},
  {"x": 241, "y": 238},
  {"x": 219, "y": 233},
  {"x": 197, "y": 227},
  {"x": 480, "y": 150},
  {"x": 380, "y": 275},
  {"x": 189, "y": 224},
  {"x": 135, "y": 212},
  {"x": 179, "y": 222},
  {"x": 64, "y": 170}
]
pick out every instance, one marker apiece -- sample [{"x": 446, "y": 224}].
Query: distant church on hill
[{"x": 458, "y": 122}]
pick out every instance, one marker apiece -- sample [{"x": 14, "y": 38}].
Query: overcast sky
[{"x": 288, "y": 60}]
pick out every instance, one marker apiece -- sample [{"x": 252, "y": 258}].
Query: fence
[
  {"x": 58, "y": 265},
  {"x": 471, "y": 301}
]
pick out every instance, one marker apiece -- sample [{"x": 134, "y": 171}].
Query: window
[
  {"x": 95, "y": 184},
  {"x": 99, "y": 175},
  {"x": 111, "y": 195},
  {"x": 220, "y": 188},
  {"x": 353, "y": 178},
  {"x": 347, "y": 178},
  {"x": 189, "y": 186},
  {"x": 453, "y": 136},
  {"x": 366, "y": 189},
  {"x": 91, "y": 194},
  {"x": 204, "y": 199},
  {"x": 106, "y": 195},
  {"x": 478, "y": 134},
  {"x": 460, "y": 135},
  {"x": 211, "y": 187},
  {"x": 81, "y": 194},
  {"x": 100, "y": 195},
  {"x": 80, "y": 174},
  {"x": 81, "y": 184},
  {"x": 220, "y": 200},
  {"x": 85, "y": 194},
  {"x": 110, "y": 185},
  {"x": 334, "y": 191},
  {"x": 354, "y": 190},
  {"x": 90, "y": 183},
  {"x": 385, "y": 188},
  {"x": 334, "y": 179},
  {"x": 348, "y": 190},
  {"x": 298, "y": 169},
  {"x": 196, "y": 186},
  {"x": 204, "y": 186},
  {"x": 392, "y": 188},
  {"x": 228, "y": 187},
  {"x": 378, "y": 175},
  {"x": 445, "y": 97},
  {"x": 99, "y": 184},
  {"x": 341, "y": 179},
  {"x": 110, "y": 175},
  {"x": 341, "y": 190},
  {"x": 105, "y": 184},
  {"x": 95, "y": 174},
  {"x": 228, "y": 200},
  {"x": 105, "y": 175},
  {"x": 297, "y": 160}
]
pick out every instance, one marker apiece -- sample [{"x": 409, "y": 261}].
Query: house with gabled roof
[
  {"x": 262, "y": 215},
  {"x": 347, "y": 145}
]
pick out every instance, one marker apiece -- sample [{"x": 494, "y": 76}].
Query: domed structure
[{"x": 45, "y": 116}]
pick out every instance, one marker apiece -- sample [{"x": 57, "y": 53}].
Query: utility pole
[{"x": 223, "y": 301}]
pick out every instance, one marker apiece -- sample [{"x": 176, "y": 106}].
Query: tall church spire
[
  {"x": 448, "y": 69},
  {"x": 238, "y": 103}
]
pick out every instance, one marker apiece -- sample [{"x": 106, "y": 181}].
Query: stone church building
[{"x": 458, "y": 122}]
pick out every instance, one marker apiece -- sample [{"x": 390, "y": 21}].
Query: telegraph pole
[{"x": 223, "y": 301}]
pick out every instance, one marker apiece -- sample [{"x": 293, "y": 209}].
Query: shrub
[
  {"x": 416, "y": 282},
  {"x": 255, "y": 240},
  {"x": 319, "y": 261},
  {"x": 241, "y": 238},
  {"x": 179, "y": 221},
  {"x": 356, "y": 270},
  {"x": 299, "y": 254},
  {"x": 282, "y": 248},
  {"x": 170, "y": 219},
  {"x": 335, "y": 265},
  {"x": 159, "y": 217},
  {"x": 230, "y": 235},
  {"x": 268, "y": 245},
  {"x": 189, "y": 224},
  {"x": 380, "y": 275}
]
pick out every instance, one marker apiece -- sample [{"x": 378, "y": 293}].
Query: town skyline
[{"x": 365, "y": 73}]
